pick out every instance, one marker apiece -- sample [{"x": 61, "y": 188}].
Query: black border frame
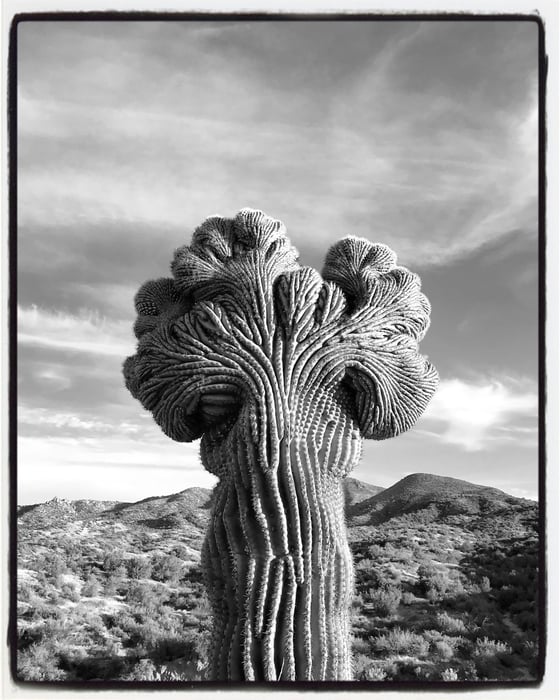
[{"x": 143, "y": 16}]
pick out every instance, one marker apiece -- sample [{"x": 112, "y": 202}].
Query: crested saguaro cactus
[{"x": 282, "y": 372}]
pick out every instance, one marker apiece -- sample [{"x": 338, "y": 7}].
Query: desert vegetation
[{"x": 109, "y": 597}]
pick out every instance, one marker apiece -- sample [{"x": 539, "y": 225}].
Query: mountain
[
  {"x": 434, "y": 498},
  {"x": 356, "y": 491},
  {"x": 427, "y": 496},
  {"x": 94, "y": 527},
  {"x": 188, "y": 506},
  {"x": 61, "y": 510}
]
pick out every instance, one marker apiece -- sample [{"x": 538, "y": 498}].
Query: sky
[{"x": 418, "y": 134}]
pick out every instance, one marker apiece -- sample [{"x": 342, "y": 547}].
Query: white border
[{"x": 548, "y": 10}]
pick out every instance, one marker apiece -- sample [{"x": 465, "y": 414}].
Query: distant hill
[
  {"x": 61, "y": 510},
  {"x": 191, "y": 505},
  {"x": 356, "y": 491},
  {"x": 433, "y": 497}
]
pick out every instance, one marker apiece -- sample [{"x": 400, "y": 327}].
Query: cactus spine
[{"x": 282, "y": 373}]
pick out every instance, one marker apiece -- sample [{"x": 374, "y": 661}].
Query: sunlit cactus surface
[{"x": 282, "y": 372}]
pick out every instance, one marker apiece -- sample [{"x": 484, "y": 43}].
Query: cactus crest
[{"x": 282, "y": 372}]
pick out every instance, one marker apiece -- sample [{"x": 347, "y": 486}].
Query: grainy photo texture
[{"x": 277, "y": 378}]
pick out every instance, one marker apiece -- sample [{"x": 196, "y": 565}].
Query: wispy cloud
[
  {"x": 347, "y": 143},
  {"x": 87, "y": 333},
  {"x": 476, "y": 415},
  {"x": 74, "y": 425}
]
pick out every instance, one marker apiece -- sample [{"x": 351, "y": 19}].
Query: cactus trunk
[{"x": 278, "y": 566}]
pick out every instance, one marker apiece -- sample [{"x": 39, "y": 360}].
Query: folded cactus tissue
[{"x": 282, "y": 372}]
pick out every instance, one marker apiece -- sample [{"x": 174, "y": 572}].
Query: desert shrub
[
  {"x": 91, "y": 587},
  {"x": 383, "y": 601},
  {"x": 53, "y": 596},
  {"x": 490, "y": 647},
  {"x": 39, "y": 662},
  {"x": 444, "y": 650},
  {"x": 52, "y": 565},
  {"x": 70, "y": 592},
  {"x": 449, "y": 674},
  {"x": 143, "y": 670},
  {"x": 139, "y": 592},
  {"x": 180, "y": 551},
  {"x": 166, "y": 568},
  {"x": 24, "y": 591},
  {"x": 432, "y": 582},
  {"x": 360, "y": 646},
  {"x": 139, "y": 567},
  {"x": 449, "y": 624},
  {"x": 400, "y": 641},
  {"x": 111, "y": 585},
  {"x": 407, "y": 598},
  {"x": 360, "y": 664},
  {"x": 112, "y": 562},
  {"x": 375, "y": 673}
]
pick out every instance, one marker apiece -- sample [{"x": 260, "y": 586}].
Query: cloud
[
  {"x": 111, "y": 468},
  {"x": 72, "y": 424},
  {"x": 476, "y": 415},
  {"x": 53, "y": 379},
  {"x": 374, "y": 133},
  {"x": 87, "y": 333}
]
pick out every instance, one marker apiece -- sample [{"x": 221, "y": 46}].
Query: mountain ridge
[
  {"x": 366, "y": 504},
  {"x": 439, "y": 496}
]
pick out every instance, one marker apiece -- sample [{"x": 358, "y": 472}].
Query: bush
[
  {"x": 449, "y": 624},
  {"x": 139, "y": 567},
  {"x": 444, "y": 649},
  {"x": 449, "y": 674},
  {"x": 432, "y": 582},
  {"x": 70, "y": 592},
  {"x": 91, "y": 587},
  {"x": 144, "y": 670},
  {"x": 407, "y": 598},
  {"x": 112, "y": 562},
  {"x": 399, "y": 641},
  {"x": 383, "y": 601},
  {"x": 141, "y": 594},
  {"x": 39, "y": 663},
  {"x": 360, "y": 646},
  {"x": 166, "y": 568},
  {"x": 375, "y": 673},
  {"x": 490, "y": 647},
  {"x": 360, "y": 664}
]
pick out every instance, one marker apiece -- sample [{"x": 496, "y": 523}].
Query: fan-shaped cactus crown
[{"x": 223, "y": 284}]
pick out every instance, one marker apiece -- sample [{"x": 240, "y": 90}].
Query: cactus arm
[{"x": 392, "y": 382}]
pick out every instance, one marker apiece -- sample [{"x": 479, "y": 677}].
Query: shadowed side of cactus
[{"x": 282, "y": 373}]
